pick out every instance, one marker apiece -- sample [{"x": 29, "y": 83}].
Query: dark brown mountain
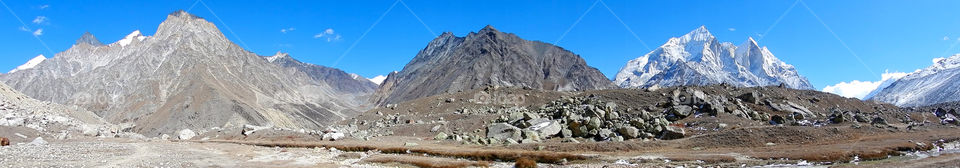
[{"x": 489, "y": 58}]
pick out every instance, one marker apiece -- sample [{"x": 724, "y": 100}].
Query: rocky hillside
[
  {"x": 22, "y": 117},
  {"x": 935, "y": 84},
  {"x": 698, "y": 58},
  {"x": 515, "y": 115},
  {"x": 342, "y": 83},
  {"x": 189, "y": 75},
  {"x": 489, "y": 58}
]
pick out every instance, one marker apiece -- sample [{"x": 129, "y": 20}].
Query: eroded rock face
[{"x": 489, "y": 58}]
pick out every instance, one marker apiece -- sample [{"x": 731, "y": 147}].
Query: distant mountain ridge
[
  {"x": 189, "y": 75},
  {"x": 937, "y": 83},
  {"x": 698, "y": 58},
  {"x": 489, "y": 58}
]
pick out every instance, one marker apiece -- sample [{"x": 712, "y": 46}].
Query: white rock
[
  {"x": 38, "y": 141},
  {"x": 250, "y": 129},
  {"x": 186, "y": 134},
  {"x": 333, "y": 136},
  {"x": 89, "y": 130}
]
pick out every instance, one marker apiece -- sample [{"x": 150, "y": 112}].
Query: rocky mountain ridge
[{"x": 937, "y": 83}]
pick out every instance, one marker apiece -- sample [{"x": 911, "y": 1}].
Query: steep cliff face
[
  {"x": 698, "y": 58},
  {"x": 489, "y": 58},
  {"x": 187, "y": 75}
]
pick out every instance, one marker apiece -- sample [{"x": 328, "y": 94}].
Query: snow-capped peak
[
  {"x": 378, "y": 79},
  {"x": 751, "y": 41},
  {"x": 130, "y": 37},
  {"x": 939, "y": 64},
  {"x": 30, "y": 64},
  {"x": 947, "y": 63},
  {"x": 276, "y": 56},
  {"x": 699, "y": 34},
  {"x": 698, "y": 58}
]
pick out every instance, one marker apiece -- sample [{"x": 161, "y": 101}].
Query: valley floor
[{"x": 877, "y": 149}]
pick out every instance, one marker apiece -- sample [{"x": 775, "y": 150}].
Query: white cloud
[
  {"x": 329, "y": 34},
  {"x": 859, "y": 89},
  {"x": 38, "y": 32},
  {"x": 40, "y": 20},
  {"x": 945, "y": 38},
  {"x": 287, "y": 30},
  {"x": 732, "y": 29},
  {"x": 338, "y": 37},
  {"x": 44, "y": 6},
  {"x": 24, "y": 29},
  {"x": 378, "y": 79}
]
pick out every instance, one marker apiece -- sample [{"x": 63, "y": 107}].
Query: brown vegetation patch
[
  {"x": 525, "y": 163},
  {"x": 425, "y": 162},
  {"x": 466, "y": 153}
]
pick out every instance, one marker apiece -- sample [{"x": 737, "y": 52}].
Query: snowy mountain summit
[
  {"x": 698, "y": 58},
  {"x": 937, "y": 83}
]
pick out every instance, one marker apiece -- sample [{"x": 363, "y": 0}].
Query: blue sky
[{"x": 886, "y": 35}]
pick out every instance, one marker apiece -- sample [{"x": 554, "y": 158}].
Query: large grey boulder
[
  {"x": 679, "y": 112},
  {"x": 629, "y": 132},
  {"x": 503, "y": 131},
  {"x": 547, "y": 129},
  {"x": 672, "y": 132},
  {"x": 752, "y": 97}
]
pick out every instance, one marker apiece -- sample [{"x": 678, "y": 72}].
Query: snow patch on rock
[{"x": 30, "y": 64}]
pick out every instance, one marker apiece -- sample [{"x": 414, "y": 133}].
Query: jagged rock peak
[
  {"x": 751, "y": 41},
  {"x": 183, "y": 23},
  {"x": 489, "y": 28},
  {"x": 182, "y": 13},
  {"x": 88, "y": 38}
]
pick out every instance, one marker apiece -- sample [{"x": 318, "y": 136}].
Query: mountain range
[
  {"x": 698, "y": 58},
  {"x": 189, "y": 75}
]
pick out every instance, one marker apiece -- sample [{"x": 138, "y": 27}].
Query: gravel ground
[{"x": 136, "y": 153}]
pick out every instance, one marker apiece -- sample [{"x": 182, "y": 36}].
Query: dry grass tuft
[
  {"x": 846, "y": 154},
  {"x": 525, "y": 163},
  {"x": 425, "y": 162}
]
